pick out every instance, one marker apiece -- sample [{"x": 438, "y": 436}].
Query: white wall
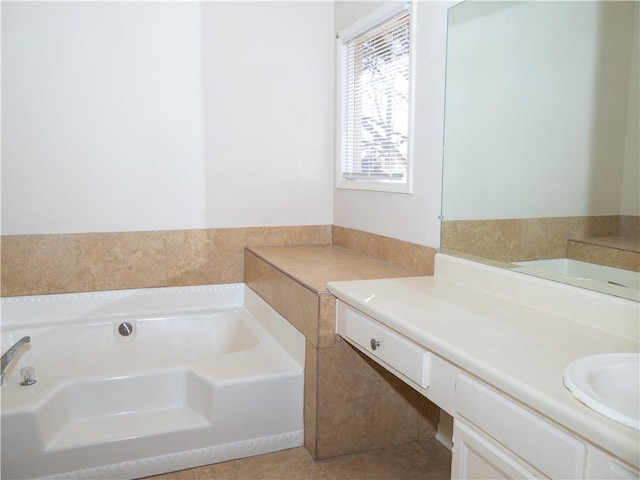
[
  {"x": 630, "y": 204},
  {"x": 127, "y": 116},
  {"x": 537, "y": 110},
  {"x": 411, "y": 217}
]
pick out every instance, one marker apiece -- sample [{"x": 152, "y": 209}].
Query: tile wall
[
  {"x": 417, "y": 258},
  {"x": 351, "y": 404},
  {"x": 606, "y": 255},
  {"x": 84, "y": 262},
  {"x": 508, "y": 240}
]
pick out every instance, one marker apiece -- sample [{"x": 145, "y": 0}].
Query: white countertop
[{"x": 520, "y": 350}]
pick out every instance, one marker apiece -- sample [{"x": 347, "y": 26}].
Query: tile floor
[{"x": 423, "y": 460}]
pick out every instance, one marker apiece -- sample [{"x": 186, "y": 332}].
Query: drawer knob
[{"x": 374, "y": 344}]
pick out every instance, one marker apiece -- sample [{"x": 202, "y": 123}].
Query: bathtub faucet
[{"x": 9, "y": 355}]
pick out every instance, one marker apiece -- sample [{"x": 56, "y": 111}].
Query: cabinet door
[
  {"x": 477, "y": 456},
  {"x": 600, "y": 465},
  {"x": 531, "y": 438}
]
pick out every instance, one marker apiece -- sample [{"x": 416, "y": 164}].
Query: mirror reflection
[{"x": 541, "y": 148}]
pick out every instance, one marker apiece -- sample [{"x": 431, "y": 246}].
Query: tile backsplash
[
  {"x": 83, "y": 262},
  {"x": 508, "y": 240},
  {"x": 414, "y": 257}
]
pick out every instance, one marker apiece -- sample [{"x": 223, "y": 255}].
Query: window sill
[{"x": 376, "y": 186}]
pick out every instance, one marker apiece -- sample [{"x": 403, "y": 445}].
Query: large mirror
[{"x": 541, "y": 148}]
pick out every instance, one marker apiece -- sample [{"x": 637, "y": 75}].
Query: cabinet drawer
[
  {"x": 549, "y": 449},
  {"x": 384, "y": 344}
]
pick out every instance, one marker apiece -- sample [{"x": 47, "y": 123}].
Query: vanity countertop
[{"x": 520, "y": 350}]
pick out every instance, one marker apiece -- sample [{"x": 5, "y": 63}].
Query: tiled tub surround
[
  {"x": 338, "y": 417},
  {"x": 509, "y": 240},
  {"x": 87, "y": 262},
  {"x": 617, "y": 252},
  {"x": 351, "y": 404},
  {"x": 416, "y": 258}
]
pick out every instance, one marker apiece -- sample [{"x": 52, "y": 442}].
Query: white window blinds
[{"x": 375, "y": 103}]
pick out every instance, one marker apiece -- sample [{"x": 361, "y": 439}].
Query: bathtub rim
[
  {"x": 266, "y": 324},
  {"x": 528, "y": 267},
  {"x": 63, "y": 307}
]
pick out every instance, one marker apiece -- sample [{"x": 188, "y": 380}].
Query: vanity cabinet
[
  {"x": 478, "y": 456},
  {"x": 600, "y": 465},
  {"x": 493, "y": 433},
  {"x": 494, "y": 436}
]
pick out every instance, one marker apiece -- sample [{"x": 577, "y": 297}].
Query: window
[{"x": 374, "y": 116}]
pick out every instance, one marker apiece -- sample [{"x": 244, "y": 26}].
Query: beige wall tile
[
  {"x": 109, "y": 261},
  {"x": 228, "y": 253},
  {"x": 495, "y": 239},
  {"x": 199, "y": 257},
  {"x": 416, "y": 258},
  {"x": 138, "y": 259},
  {"x": 296, "y": 235},
  {"x": 413, "y": 257},
  {"x": 327, "y": 336},
  {"x": 99, "y": 261},
  {"x": 602, "y": 226},
  {"x": 527, "y": 238},
  {"x": 310, "y": 398},
  {"x": 352, "y": 239},
  {"x": 629, "y": 226},
  {"x": 543, "y": 238},
  {"x": 188, "y": 257},
  {"x": 338, "y": 418},
  {"x": 361, "y": 406},
  {"x": 609, "y": 257},
  {"x": 38, "y": 264},
  {"x": 296, "y": 303}
]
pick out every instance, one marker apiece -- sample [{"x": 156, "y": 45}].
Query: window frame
[{"x": 365, "y": 24}]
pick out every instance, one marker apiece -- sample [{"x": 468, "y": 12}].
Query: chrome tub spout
[{"x": 10, "y": 354}]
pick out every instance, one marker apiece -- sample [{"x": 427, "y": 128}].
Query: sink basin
[{"x": 608, "y": 383}]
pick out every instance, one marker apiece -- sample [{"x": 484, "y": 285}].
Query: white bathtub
[
  {"x": 209, "y": 374},
  {"x": 615, "y": 281}
]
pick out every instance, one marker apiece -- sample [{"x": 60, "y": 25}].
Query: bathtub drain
[{"x": 125, "y": 329}]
